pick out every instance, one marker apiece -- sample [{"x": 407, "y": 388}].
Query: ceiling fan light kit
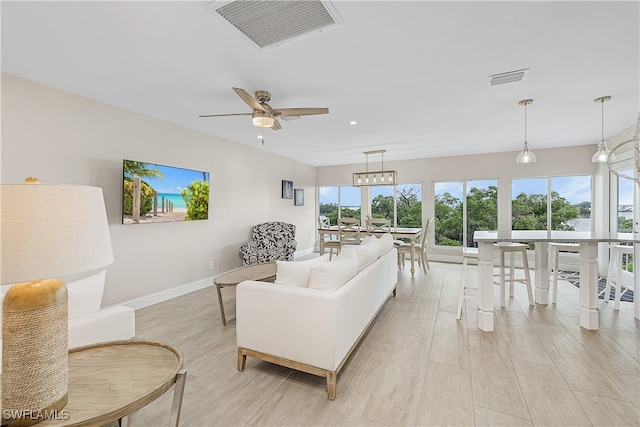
[
  {"x": 371, "y": 178},
  {"x": 526, "y": 155},
  {"x": 263, "y": 116},
  {"x": 602, "y": 154},
  {"x": 262, "y": 120}
]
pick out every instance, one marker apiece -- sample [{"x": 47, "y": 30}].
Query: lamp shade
[{"x": 52, "y": 230}]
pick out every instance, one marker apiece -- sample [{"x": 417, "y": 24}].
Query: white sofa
[
  {"x": 88, "y": 322},
  {"x": 314, "y": 326}
]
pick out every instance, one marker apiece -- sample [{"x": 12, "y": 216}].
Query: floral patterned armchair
[{"x": 270, "y": 241}]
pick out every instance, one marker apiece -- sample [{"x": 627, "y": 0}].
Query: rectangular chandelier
[{"x": 378, "y": 177}]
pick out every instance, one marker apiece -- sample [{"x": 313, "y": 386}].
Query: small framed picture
[
  {"x": 287, "y": 189},
  {"x": 299, "y": 197}
]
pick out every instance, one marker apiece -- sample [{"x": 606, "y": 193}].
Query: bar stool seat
[
  {"x": 614, "y": 274},
  {"x": 512, "y": 249},
  {"x": 554, "y": 256},
  {"x": 467, "y": 254}
]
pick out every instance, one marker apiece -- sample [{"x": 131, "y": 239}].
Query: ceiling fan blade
[
  {"x": 284, "y": 112},
  {"x": 222, "y": 115},
  {"x": 276, "y": 125},
  {"x": 250, "y": 100}
]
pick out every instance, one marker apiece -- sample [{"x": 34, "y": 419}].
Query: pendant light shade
[
  {"x": 526, "y": 155},
  {"x": 603, "y": 153}
]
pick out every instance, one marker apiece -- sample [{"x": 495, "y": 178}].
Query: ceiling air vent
[
  {"x": 511, "y": 76},
  {"x": 272, "y": 23}
]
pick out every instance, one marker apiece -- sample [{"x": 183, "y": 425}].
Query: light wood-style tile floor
[{"x": 417, "y": 365}]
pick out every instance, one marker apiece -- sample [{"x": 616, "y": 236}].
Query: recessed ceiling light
[
  {"x": 353, "y": 122},
  {"x": 260, "y": 137}
]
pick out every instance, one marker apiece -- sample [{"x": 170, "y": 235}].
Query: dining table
[
  {"x": 409, "y": 233},
  {"x": 588, "y": 244}
]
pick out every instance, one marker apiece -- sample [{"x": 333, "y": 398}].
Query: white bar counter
[{"x": 588, "y": 269}]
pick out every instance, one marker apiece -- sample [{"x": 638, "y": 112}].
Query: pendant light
[
  {"x": 526, "y": 155},
  {"x": 603, "y": 153}
]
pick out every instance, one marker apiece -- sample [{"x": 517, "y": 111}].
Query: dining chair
[
  {"x": 554, "y": 262},
  {"x": 327, "y": 240},
  {"x": 379, "y": 225},
  {"x": 467, "y": 254},
  {"x": 513, "y": 248},
  {"x": 349, "y": 231},
  {"x": 420, "y": 248},
  {"x": 615, "y": 276}
]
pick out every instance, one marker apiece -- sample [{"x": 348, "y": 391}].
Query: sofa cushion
[
  {"x": 331, "y": 275},
  {"x": 386, "y": 243},
  {"x": 85, "y": 295},
  {"x": 296, "y": 273},
  {"x": 367, "y": 253}
]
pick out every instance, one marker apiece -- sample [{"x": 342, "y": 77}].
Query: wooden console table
[
  {"x": 109, "y": 381},
  {"x": 263, "y": 272}
]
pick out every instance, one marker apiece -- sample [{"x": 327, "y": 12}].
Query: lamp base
[{"x": 34, "y": 352}]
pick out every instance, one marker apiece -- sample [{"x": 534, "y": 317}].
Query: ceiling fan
[{"x": 263, "y": 115}]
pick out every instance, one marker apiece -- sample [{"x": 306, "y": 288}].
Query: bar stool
[
  {"x": 554, "y": 255},
  {"x": 512, "y": 249},
  {"x": 467, "y": 254},
  {"x": 614, "y": 274}
]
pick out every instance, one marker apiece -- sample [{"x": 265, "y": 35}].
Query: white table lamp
[{"x": 46, "y": 231}]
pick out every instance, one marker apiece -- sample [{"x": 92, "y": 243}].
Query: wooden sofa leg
[
  {"x": 394, "y": 292},
  {"x": 242, "y": 359},
  {"x": 332, "y": 378}
]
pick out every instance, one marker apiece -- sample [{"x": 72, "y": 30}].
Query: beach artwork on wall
[{"x": 158, "y": 193}]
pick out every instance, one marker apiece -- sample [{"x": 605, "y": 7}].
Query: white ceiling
[{"x": 413, "y": 74}]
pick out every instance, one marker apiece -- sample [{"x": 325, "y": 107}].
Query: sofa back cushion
[
  {"x": 85, "y": 295},
  {"x": 367, "y": 252},
  {"x": 297, "y": 273},
  {"x": 386, "y": 243},
  {"x": 331, "y": 275}
]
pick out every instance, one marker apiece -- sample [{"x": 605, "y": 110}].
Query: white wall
[{"x": 63, "y": 138}]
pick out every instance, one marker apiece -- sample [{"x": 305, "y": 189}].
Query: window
[
  {"x": 571, "y": 203},
  {"x": 405, "y": 208},
  {"x": 554, "y": 203},
  {"x": 461, "y": 208},
  {"x": 409, "y": 205},
  {"x": 625, "y": 203},
  {"x": 350, "y": 202},
  {"x": 625, "y": 213},
  {"x": 448, "y": 213},
  {"x": 481, "y": 208},
  {"x": 382, "y": 203},
  {"x": 529, "y": 204},
  {"x": 337, "y": 201}
]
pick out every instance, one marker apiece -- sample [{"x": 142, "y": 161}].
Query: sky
[{"x": 175, "y": 179}]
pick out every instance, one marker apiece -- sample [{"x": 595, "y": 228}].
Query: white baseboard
[
  {"x": 178, "y": 291},
  {"x": 302, "y": 253},
  {"x": 167, "y": 294}
]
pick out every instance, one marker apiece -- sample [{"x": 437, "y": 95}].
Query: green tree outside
[{"x": 529, "y": 212}]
